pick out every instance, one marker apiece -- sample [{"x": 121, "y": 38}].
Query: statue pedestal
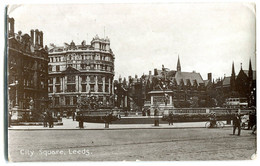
[{"x": 161, "y": 100}]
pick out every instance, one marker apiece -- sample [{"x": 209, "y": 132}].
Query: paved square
[{"x": 130, "y": 145}]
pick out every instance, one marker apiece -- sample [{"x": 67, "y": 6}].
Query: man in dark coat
[
  {"x": 237, "y": 123},
  {"x": 45, "y": 119},
  {"x": 171, "y": 118},
  {"x": 50, "y": 119}
]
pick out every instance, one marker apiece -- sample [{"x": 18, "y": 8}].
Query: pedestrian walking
[
  {"x": 45, "y": 119},
  {"x": 250, "y": 121},
  {"x": 50, "y": 118},
  {"x": 156, "y": 117},
  {"x": 237, "y": 123},
  {"x": 170, "y": 118},
  {"x": 149, "y": 112},
  {"x": 73, "y": 116},
  {"x": 143, "y": 112}
]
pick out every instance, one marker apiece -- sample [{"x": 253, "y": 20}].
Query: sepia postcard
[{"x": 130, "y": 82}]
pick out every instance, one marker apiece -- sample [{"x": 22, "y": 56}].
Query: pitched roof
[
  {"x": 226, "y": 81},
  {"x": 192, "y": 76}
]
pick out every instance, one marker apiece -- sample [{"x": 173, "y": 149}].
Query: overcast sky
[{"x": 206, "y": 36}]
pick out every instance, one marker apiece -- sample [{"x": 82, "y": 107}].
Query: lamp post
[{"x": 16, "y": 93}]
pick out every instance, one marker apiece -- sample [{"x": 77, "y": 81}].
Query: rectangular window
[
  {"x": 74, "y": 100},
  {"x": 83, "y": 87},
  {"x": 100, "y": 89},
  {"x": 57, "y": 80},
  {"x": 50, "y": 68},
  {"x": 83, "y": 78},
  {"x": 99, "y": 79},
  {"x": 57, "y": 88},
  {"x": 71, "y": 88},
  {"x": 67, "y": 100},
  {"x": 57, "y": 68},
  {"x": 92, "y": 79},
  {"x": 50, "y": 89},
  {"x": 91, "y": 88},
  {"x": 57, "y": 101}
]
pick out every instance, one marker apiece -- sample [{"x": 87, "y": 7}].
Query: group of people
[
  {"x": 237, "y": 122},
  {"x": 251, "y": 122},
  {"x": 47, "y": 118}
]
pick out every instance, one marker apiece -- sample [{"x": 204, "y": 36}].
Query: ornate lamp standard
[{"x": 16, "y": 93}]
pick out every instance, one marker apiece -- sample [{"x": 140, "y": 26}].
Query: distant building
[
  {"x": 27, "y": 72},
  {"x": 242, "y": 85},
  {"x": 81, "y": 71},
  {"x": 188, "y": 88},
  {"x": 184, "y": 89}
]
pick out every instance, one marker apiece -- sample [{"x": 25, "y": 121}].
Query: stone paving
[{"x": 131, "y": 145}]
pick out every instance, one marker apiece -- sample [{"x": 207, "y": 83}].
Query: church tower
[{"x": 178, "y": 65}]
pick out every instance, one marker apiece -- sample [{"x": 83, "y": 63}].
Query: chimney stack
[
  {"x": 155, "y": 72},
  {"x": 210, "y": 77},
  {"x": 150, "y": 73},
  {"x": 41, "y": 38},
  {"x": 32, "y": 37},
  {"x": 36, "y": 37}
]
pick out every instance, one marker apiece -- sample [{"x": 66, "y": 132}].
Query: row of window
[
  {"x": 84, "y": 67},
  {"x": 81, "y": 57},
  {"x": 72, "y": 88},
  {"x": 73, "y": 100},
  {"x": 72, "y": 79}
]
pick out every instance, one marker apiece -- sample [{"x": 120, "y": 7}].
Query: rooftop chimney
[
  {"x": 155, "y": 72},
  {"x": 36, "y": 37},
  {"x": 210, "y": 77},
  {"x": 32, "y": 37},
  {"x": 41, "y": 38}
]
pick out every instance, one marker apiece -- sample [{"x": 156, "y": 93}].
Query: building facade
[
  {"x": 27, "y": 70},
  {"x": 183, "y": 89},
  {"x": 164, "y": 88},
  {"x": 77, "y": 72},
  {"x": 241, "y": 85}
]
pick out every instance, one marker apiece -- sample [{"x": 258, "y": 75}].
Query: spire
[
  {"x": 178, "y": 64},
  {"x": 233, "y": 78},
  {"x": 233, "y": 70}
]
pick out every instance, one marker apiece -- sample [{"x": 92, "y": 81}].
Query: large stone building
[
  {"x": 77, "y": 72},
  {"x": 27, "y": 72}
]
